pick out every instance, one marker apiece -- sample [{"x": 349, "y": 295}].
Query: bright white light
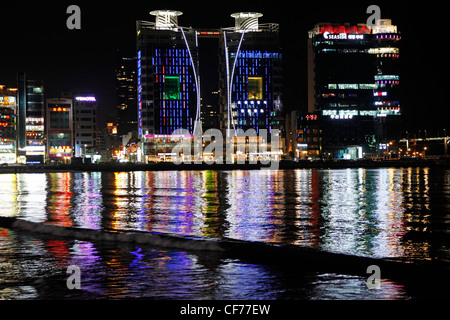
[{"x": 90, "y": 99}]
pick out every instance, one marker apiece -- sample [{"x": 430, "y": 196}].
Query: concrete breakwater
[{"x": 288, "y": 257}]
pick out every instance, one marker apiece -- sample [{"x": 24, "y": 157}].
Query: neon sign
[
  {"x": 341, "y": 29},
  {"x": 89, "y": 99},
  {"x": 343, "y": 36}
]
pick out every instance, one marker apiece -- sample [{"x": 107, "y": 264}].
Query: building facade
[
  {"x": 303, "y": 136},
  {"x": 250, "y": 75},
  {"x": 353, "y": 85},
  {"x": 126, "y": 87},
  {"x": 59, "y": 129},
  {"x": 8, "y": 107},
  {"x": 168, "y": 85},
  {"x": 30, "y": 120},
  {"x": 85, "y": 125}
]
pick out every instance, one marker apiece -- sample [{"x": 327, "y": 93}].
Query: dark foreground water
[{"x": 394, "y": 213}]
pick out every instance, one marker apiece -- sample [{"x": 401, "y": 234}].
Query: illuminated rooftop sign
[
  {"x": 86, "y": 99},
  {"x": 343, "y": 36},
  {"x": 343, "y": 29}
]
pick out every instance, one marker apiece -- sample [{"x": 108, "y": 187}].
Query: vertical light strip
[
  {"x": 232, "y": 73},
  {"x": 196, "y": 78},
  {"x": 230, "y": 79}
]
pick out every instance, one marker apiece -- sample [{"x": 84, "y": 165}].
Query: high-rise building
[
  {"x": 85, "y": 125},
  {"x": 168, "y": 84},
  {"x": 8, "y": 105},
  {"x": 126, "y": 87},
  {"x": 250, "y": 74},
  {"x": 59, "y": 129},
  {"x": 353, "y": 83},
  {"x": 30, "y": 120}
]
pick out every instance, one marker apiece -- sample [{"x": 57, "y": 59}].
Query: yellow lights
[
  {"x": 59, "y": 109},
  {"x": 383, "y": 50},
  {"x": 255, "y": 88}
]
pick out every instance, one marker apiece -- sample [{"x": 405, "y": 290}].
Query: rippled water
[{"x": 398, "y": 213}]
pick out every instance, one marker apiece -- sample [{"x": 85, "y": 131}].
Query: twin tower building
[{"x": 169, "y": 83}]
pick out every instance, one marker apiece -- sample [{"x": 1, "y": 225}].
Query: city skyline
[{"x": 83, "y": 60}]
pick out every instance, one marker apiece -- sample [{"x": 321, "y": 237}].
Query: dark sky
[{"x": 35, "y": 39}]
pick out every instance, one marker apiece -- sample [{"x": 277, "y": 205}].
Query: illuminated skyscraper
[
  {"x": 8, "y": 105},
  {"x": 59, "y": 129},
  {"x": 168, "y": 83},
  {"x": 126, "y": 69},
  {"x": 85, "y": 125},
  {"x": 250, "y": 74},
  {"x": 30, "y": 120},
  {"x": 353, "y": 84}
]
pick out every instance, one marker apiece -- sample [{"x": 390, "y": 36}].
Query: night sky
[{"x": 35, "y": 39}]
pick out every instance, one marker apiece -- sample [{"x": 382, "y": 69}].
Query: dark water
[{"x": 395, "y": 213}]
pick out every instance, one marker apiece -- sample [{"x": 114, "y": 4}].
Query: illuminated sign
[
  {"x": 86, "y": 99},
  {"x": 340, "y": 112},
  {"x": 35, "y": 150},
  {"x": 311, "y": 117},
  {"x": 6, "y": 101},
  {"x": 383, "y": 50},
  {"x": 59, "y": 109},
  {"x": 386, "y": 77},
  {"x": 354, "y": 86},
  {"x": 34, "y": 128},
  {"x": 60, "y": 151},
  {"x": 342, "y": 116},
  {"x": 341, "y": 29},
  {"x": 343, "y": 36},
  {"x": 169, "y": 136}
]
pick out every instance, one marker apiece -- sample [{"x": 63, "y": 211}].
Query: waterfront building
[
  {"x": 353, "y": 85},
  {"x": 303, "y": 136},
  {"x": 126, "y": 89},
  {"x": 8, "y": 106},
  {"x": 30, "y": 120},
  {"x": 59, "y": 129},
  {"x": 168, "y": 84},
  {"x": 250, "y": 78},
  {"x": 85, "y": 125}
]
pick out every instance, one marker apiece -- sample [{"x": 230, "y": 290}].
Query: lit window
[
  {"x": 172, "y": 88},
  {"x": 255, "y": 88}
]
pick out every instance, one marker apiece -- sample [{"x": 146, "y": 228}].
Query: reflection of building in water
[
  {"x": 425, "y": 212},
  {"x": 308, "y": 190},
  {"x": 88, "y": 202},
  {"x": 9, "y": 192},
  {"x": 59, "y": 198},
  {"x": 30, "y": 201},
  {"x": 210, "y": 207},
  {"x": 251, "y": 214},
  {"x": 361, "y": 212}
]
